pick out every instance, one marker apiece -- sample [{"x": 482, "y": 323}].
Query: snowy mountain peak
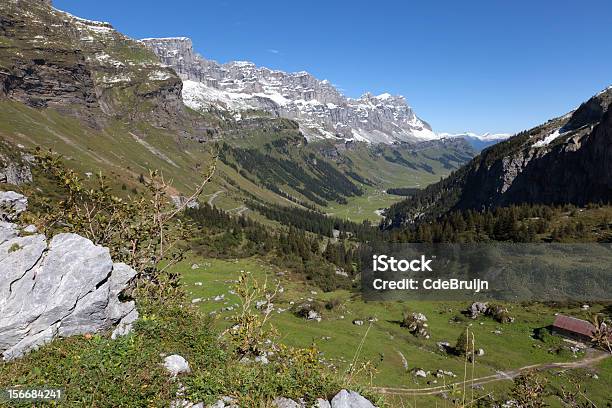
[
  {"x": 484, "y": 137},
  {"x": 320, "y": 109},
  {"x": 478, "y": 142}
]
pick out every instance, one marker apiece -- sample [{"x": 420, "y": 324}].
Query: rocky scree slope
[
  {"x": 321, "y": 110},
  {"x": 566, "y": 160},
  {"x": 58, "y": 287}
]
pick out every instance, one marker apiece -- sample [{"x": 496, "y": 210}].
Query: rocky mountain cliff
[
  {"x": 566, "y": 160},
  {"x": 51, "y": 59},
  {"x": 321, "y": 110}
]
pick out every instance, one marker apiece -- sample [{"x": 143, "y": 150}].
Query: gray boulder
[
  {"x": 176, "y": 365},
  {"x": 282, "y": 402},
  {"x": 321, "y": 403},
  {"x": 64, "y": 287},
  {"x": 476, "y": 309},
  {"x": 11, "y": 205},
  {"x": 350, "y": 399}
]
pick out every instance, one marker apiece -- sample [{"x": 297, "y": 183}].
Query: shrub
[
  {"x": 143, "y": 230},
  {"x": 333, "y": 303}
]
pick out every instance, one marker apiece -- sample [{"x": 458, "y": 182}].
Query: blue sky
[{"x": 477, "y": 65}]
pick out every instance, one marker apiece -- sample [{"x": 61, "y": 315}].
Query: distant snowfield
[{"x": 486, "y": 137}]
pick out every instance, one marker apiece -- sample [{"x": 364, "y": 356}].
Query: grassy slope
[
  {"x": 118, "y": 153},
  {"x": 515, "y": 348}
]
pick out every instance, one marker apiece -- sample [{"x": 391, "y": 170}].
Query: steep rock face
[
  {"x": 321, "y": 110},
  {"x": 566, "y": 160},
  {"x": 63, "y": 287},
  {"x": 85, "y": 68}
]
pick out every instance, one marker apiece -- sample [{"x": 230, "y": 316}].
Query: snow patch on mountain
[{"x": 548, "y": 139}]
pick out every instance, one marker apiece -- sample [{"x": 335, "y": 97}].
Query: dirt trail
[
  {"x": 499, "y": 376},
  {"x": 213, "y": 196}
]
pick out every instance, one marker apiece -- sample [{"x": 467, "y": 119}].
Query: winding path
[
  {"x": 213, "y": 196},
  {"x": 499, "y": 376}
]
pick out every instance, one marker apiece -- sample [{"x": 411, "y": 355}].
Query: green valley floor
[{"x": 391, "y": 349}]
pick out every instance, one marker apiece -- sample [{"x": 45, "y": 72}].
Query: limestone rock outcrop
[{"x": 56, "y": 288}]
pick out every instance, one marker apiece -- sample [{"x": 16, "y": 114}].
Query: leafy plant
[
  {"x": 142, "y": 230},
  {"x": 529, "y": 390},
  {"x": 602, "y": 332},
  {"x": 252, "y": 334}
]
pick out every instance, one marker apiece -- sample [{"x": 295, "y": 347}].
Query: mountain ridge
[
  {"x": 322, "y": 111},
  {"x": 563, "y": 161}
]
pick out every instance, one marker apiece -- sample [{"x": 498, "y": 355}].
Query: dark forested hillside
[{"x": 564, "y": 161}]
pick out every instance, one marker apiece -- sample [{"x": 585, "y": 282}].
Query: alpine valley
[
  {"x": 202, "y": 227},
  {"x": 113, "y": 104}
]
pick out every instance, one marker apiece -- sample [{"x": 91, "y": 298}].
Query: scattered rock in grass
[
  {"x": 282, "y": 402},
  {"x": 442, "y": 373},
  {"x": 476, "y": 309},
  {"x": 350, "y": 399},
  {"x": 404, "y": 361},
  {"x": 219, "y": 298},
  {"x": 198, "y": 283},
  {"x": 341, "y": 272},
  {"x": 444, "y": 346},
  {"x": 224, "y": 402},
  {"x": 358, "y": 322},
  {"x": 420, "y": 373},
  {"x": 196, "y": 300},
  {"x": 185, "y": 404},
  {"x": 313, "y": 315},
  {"x": 416, "y": 323},
  {"x": 262, "y": 359},
  {"x": 195, "y": 266},
  {"x": 497, "y": 312},
  {"x": 176, "y": 365}
]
